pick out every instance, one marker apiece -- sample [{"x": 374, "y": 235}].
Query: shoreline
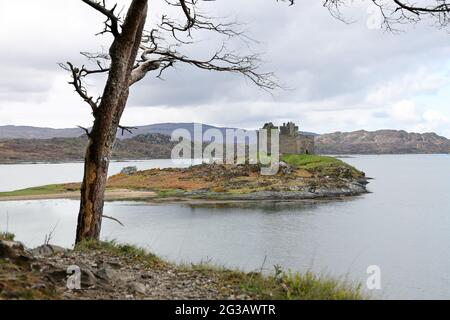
[
  {"x": 153, "y": 197},
  {"x": 111, "y": 271},
  {"x": 111, "y": 195},
  {"x": 340, "y": 155},
  {"x": 300, "y": 177}
]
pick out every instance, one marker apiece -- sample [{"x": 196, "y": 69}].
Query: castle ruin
[{"x": 291, "y": 140}]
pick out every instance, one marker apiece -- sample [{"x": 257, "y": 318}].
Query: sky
[{"x": 336, "y": 76}]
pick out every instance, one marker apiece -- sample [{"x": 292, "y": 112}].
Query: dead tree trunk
[
  {"x": 107, "y": 116},
  {"x": 125, "y": 68}
]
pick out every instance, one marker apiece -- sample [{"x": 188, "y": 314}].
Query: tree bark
[{"x": 107, "y": 116}]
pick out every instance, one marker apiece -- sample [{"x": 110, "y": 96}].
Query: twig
[{"x": 114, "y": 219}]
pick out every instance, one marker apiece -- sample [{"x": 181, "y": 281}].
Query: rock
[
  {"x": 87, "y": 278},
  {"x": 39, "y": 286},
  {"x": 11, "y": 245},
  {"x": 137, "y": 287},
  {"x": 285, "y": 168},
  {"x": 47, "y": 250},
  {"x": 15, "y": 251},
  {"x": 109, "y": 275},
  {"x": 129, "y": 170}
]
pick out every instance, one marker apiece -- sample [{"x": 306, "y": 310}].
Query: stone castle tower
[{"x": 291, "y": 140}]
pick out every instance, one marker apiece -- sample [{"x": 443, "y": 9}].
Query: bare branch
[
  {"x": 86, "y": 130},
  {"x": 402, "y": 11},
  {"x": 223, "y": 61},
  {"x": 291, "y": 2},
  {"x": 113, "y": 219},
  {"x": 77, "y": 75},
  {"x": 112, "y": 22},
  {"x": 127, "y": 129},
  {"x": 141, "y": 70}
]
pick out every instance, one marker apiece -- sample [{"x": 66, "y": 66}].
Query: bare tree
[
  {"x": 133, "y": 54},
  {"x": 397, "y": 12}
]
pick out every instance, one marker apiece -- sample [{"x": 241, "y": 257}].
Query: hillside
[
  {"x": 26, "y": 132},
  {"x": 381, "y": 142},
  {"x": 151, "y": 146},
  {"x": 159, "y": 146}
]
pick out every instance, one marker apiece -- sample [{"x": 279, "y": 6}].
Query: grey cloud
[
  {"x": 330, "y": 65},
  {"x": 312, "y": 53}
]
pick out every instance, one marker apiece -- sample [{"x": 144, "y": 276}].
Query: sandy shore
[{"x": 120, "y": 194}]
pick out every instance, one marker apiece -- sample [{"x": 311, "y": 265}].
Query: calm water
[
  {"x": 403, "y": 226},
  {"x": 21, "y": 176}
]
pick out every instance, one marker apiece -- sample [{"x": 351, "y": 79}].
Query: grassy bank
[
  {"x": 42, "y": 190},
  {"x": 18, "y": 280},
  {"x": 321, "y": 165},
  {"x": 280, "y": 285}
]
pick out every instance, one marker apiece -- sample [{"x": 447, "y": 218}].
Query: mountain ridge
[
  {"x": 30, "y": 132},
  {"x": 158, "y": 145},
  {"x": 386, "y": 141}
]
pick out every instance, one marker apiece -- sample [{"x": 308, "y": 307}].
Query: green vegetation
[
  {"x": 166, "y": 193},
  {"x": 122, "y": 250},
  {"x": 280, "y": 285},
  {"x": 322, "y": 165},
  {"x": 6, "y": 236},
  {"x": 43, "y": 190}
]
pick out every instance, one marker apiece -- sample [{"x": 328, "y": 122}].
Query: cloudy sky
[{"x": 340, "y": 77}]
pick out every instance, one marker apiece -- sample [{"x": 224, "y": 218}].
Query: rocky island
[{"x": 301, "y": 176}]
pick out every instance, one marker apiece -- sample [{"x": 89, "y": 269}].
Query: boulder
[
  {"x": 47, "y": 250},
  {"x": 14, "y": 251},
  {"x": 128, "y": 171},
  {"x": 137, "y": 287}
]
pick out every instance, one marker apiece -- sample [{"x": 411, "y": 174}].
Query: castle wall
[
  {"x": 299, "y": 144},
  {"x": 291, "y": 141}
]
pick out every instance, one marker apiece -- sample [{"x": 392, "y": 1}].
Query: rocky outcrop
[
  {"x": 43, "y": 273},
  {"x": 129, "y": 170},
  {"x": 215, "y": 181}
]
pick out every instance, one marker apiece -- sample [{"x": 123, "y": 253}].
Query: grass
[
  {"x": 16, "y": 280},
  {"x": 43, "y": 190},
  {"x": 321, "y": 165},
  {"x": 280, "y": 285},
  {"x": 6, "y": 236},
  {"x": 122, "y": 250},
  {"x": 166, "y": 193}
]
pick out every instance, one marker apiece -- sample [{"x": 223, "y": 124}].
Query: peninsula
[{"x": 301, "y": 177}]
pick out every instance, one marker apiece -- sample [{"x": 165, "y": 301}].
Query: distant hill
[
  {"x": 26, "y": 132},
  {"x": 153, "y": 142},
  {"x": 381, "y": 142},
  {"x": 151, "y": 146}
]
